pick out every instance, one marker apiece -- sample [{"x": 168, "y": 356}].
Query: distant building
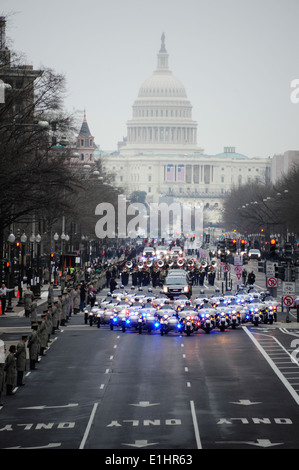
[
  {"x": 160, "y": 154},
  {"x": 282, "y": 164},
  {"x": 19, "y": 100},
  {"x": 85, "y": 145}
]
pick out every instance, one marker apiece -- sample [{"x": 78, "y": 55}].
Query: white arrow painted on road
[
  {"x": 259, "y": 443},
  {"x": 141, "y": 443},
  {"x": 245, "y": 402},
  {"x": 44, "y": 407},
  {"x": 49, "y": 446},
  {"x": 144, "y": 404}
]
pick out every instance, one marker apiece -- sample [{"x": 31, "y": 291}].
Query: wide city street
[{"x": 98, "y": 388}]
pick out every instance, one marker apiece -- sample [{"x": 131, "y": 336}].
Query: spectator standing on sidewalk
[
  {"x": 34, "y": 346},
  {"x": 3, "y": 295},
  {"x": 21, "y": 359},
  {"x": 33, "y": 312},
  {"x": 2, "y": 374},
  {"x": 51, "y": 294},
  {"x": 10, "y": 369},
  {"x": 28, "y": 299}
]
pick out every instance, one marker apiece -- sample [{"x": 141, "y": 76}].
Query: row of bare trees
[
  {"x": 273, "y": 208},
  {"x": 39, "y": 180}
]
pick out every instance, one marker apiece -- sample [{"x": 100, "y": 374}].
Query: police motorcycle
[
  {"x": 207, "y": 319},
  {"x": 150, "y": 320},
  {"x": 238, "y": 313},
  {"x": 255, "y": 310},
  {"x": 222, "y": 317},
  {"x": 94, "y": 315},
  {"x": 119, "y": 318},
  {"x": 270, "y": 311},
  {"x": 160, "y": 301},
  {"x": 169, "y": 321},
  {"x": 188, "y": 317}
]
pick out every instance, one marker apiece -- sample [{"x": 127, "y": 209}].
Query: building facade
[{"x": 160, "y": 155}]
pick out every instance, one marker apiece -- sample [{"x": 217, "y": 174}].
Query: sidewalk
[{"x": 19, "y": 311}]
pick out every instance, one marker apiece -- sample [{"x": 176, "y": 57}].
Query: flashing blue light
[
  {"x": 128, "y": 321},
  {"x": 179, "y": 325},
  {"x": 114, "y": 319},
  {"x": 157, "y": 324}
]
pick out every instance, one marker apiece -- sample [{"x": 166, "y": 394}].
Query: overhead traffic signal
[
  {"x": 288, "y": 251},
  {"x": 273, "y": 247},
  {"x": 234, "y": 245}
]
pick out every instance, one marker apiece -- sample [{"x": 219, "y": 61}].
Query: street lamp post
[
  {"x": 21, "y": 273},
  {"x": 11, "y": 239}
]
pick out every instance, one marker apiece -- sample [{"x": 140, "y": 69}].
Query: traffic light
[
  {"x": 234, "y": 245},
  {"x": 52, "y": 256},
  {"x": 273, "y": 247},
  {"x": 7, "y": 266},
  {"x": 242, "y": 245},
  {"x": 280, "y": 272},
  {"x": 288, "y": 251}
]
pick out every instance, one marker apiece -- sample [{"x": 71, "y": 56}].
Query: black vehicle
[{"x": 176, "y": 285}]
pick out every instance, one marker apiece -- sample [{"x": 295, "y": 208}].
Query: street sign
[
  {"x": 238, "y": 275},
  {"x": 238, "y": 269},
  {"x": 226, "y": 268},
  {"x": 238, "y": 260},
  {"x": 272, "y": 282},
  {"x": 288, "y": 288},
  {"x": 288, "y": 301},
  {"x": 270, "y": 269}
]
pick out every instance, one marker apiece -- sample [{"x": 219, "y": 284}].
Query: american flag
[
  {"x": 181, "y": 173},
  {"x": 170, "y": 173}
]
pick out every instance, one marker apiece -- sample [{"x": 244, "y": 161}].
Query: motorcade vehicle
[
  {"x": 150, "y": 319},
  {"x": 176, "y": 285},
  {"x": 148, "y": 253},
  {"x": 254, "y": 253},
  {"x": 161, "y": 252},
  {"x": 169, "y": 321},
  {"x": 222, "y": 317},
  {"x": 207, "y": 320}
]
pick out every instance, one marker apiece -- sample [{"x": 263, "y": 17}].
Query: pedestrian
[
  {"x": 51, "y": 293},
  {"x": 59, "y": 311},
  {"x": 10, "y": 369},
  {"x": 3, "y": 295},
  {"x": 21, "y": 359},
  {"x": 2, "y": 374},
  {"x": 54, "y": 317},
  {"x": 112, "y": 284},
  {"x": 251, "y": 278},
  {"x": 92, "y": 296},
  {"x": 28, "y": 299},
  {"x": 82, "y": 296},
  {"x": 33, "y": 311},
  {"x": 34, "y": 346},
  {"x": 46, "y": 275},
  {"x": 244, "y": 276},
  {"x": 43, "y": 333},
  {"x": 76, "y": 301}
]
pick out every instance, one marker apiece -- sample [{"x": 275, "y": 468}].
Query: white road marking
[{"x": 195, "y": 425}]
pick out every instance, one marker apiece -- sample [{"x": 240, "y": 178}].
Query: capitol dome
[
  {"x": 162, "y": 114},
  {"x": 162, "y": 84}
]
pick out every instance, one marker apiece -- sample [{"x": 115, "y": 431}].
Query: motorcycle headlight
[
  {"x": 186, "y": 289},
  {"x": 165, "y": 289}
]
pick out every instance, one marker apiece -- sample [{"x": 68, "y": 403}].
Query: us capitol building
[{"x": 160, "y": 155}]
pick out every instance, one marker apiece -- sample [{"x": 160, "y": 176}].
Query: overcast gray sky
[{"x": 236, "y": 59}]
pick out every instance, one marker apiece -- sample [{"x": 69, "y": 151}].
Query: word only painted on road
[
  {"x": 145, "y": 422},
  {"x": 255, "y": 421},
  {"x": 38, "y": 426}
]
